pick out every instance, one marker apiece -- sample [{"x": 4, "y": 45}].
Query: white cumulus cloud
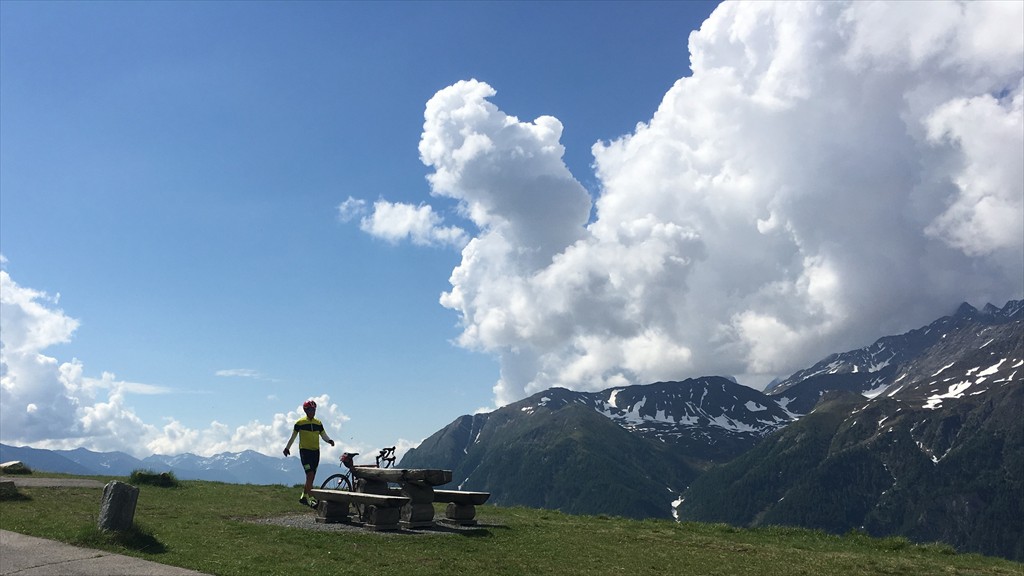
[
  {"x": 351, "y": 208},
  {"x": 396, "y": 222},
  {"x": 422, "y": 226},
  {"x": 830, "y": 173}
]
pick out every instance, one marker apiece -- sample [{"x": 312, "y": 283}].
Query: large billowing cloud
[
  {"x": 52, "y": 404},
  {"x": 829, "y": 174},
  {"x": 36, "y": 394}
]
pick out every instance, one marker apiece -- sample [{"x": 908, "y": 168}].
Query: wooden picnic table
[
  {"x": 415, "y": 484},
  {"x": 410, "y": 505}
]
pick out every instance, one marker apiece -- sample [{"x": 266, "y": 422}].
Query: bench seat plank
[
  {"x": 381, "y": 500},
  {"x": 461, "y": 496}
]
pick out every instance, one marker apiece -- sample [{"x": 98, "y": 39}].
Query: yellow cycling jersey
[{"x": 309, "y": 430}]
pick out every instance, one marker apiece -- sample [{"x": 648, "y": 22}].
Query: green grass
[{"x": 202, "y": 525}]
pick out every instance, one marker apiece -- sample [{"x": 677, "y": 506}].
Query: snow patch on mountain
[{"x": 978, "y": 374}]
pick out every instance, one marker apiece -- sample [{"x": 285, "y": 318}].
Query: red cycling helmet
[{"x": 309, "y": 404}]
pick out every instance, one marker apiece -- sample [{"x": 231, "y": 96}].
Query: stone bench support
[
  {"x": 462, "y": 505},
  {"x": 419, "y": 513}
]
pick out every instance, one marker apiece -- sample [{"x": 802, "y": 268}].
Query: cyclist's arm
[
  {"x": 290, "y": 440},
  {"x": 323, "y": 434}
]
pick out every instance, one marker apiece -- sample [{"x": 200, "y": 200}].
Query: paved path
[{"x": 30, "y": 556}]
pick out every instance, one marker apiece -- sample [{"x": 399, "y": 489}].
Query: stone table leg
[{"x": 419, "y": 512}]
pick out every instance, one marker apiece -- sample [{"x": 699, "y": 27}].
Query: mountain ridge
[{"x": 859, "y": 432}]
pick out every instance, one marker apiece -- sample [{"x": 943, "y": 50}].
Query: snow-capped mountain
[
  {"x": 644, "y": 444},
  {"x": 709, "y": 418},
  {"x": 246, "y": 467},
  {"x": 930, "y": 447},
  {"x": 896, "y": 364},
  {"x": 105, "y": 463},
  {"x": 558, "y": 450}
]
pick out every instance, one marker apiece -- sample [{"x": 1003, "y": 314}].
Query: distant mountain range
[
  {"x": 240, "y": 468},
  {"x": 919, "y": 435}
]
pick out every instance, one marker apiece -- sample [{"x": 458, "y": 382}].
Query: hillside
[
  {"x": 567, "y": 458},
  {"x": 626, "y": 451},
  {"x": 936, "y": 453},
  {"x": 917, "y": 434}
]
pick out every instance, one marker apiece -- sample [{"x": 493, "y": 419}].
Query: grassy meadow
[{"x": 211, "y": 527}]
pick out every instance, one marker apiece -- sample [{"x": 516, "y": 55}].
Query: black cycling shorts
[{"x": 310, "y": 459}]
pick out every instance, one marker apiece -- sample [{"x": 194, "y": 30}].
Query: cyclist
[{"x": 309, "y": 430}]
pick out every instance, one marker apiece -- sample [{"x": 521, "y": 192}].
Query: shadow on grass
[
  {"x": 480, "y": 530},
  {"x": 136, "y": 538}
]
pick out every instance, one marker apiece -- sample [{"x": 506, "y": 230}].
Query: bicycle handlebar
[{"x": 386, "y": 454}]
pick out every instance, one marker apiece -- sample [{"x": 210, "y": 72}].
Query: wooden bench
[
  {"x": 380, "y": 512},
  {"x": 462, "y": 505}
]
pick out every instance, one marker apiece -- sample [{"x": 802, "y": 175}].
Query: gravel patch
[{"x": 33, "y": 482}]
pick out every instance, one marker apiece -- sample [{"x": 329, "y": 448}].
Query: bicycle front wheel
[{"x": 337, "y": 482}]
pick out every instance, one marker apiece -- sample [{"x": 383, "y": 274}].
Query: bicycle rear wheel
[{"x": 343, "y": 482}]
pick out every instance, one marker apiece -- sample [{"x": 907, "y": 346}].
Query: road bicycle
[{"x": 346, "y": 481}]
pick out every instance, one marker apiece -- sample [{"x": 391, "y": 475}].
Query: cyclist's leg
[{"x": 310, "y": 461}]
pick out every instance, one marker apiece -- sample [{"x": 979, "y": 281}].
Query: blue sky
[{"x": 210, "y": 212}]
